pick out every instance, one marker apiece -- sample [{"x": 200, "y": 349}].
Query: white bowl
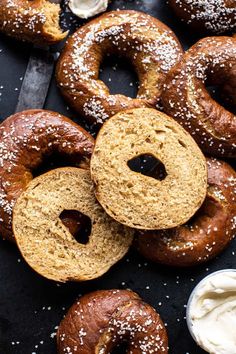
[{"x": 191, "y": 298}]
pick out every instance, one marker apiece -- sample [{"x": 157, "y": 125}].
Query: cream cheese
[
  {"x": 212, "y": 313},
  {"x": 87, "y": 8}
]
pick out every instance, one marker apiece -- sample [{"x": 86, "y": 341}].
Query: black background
[{"x": 30, "y": 306}]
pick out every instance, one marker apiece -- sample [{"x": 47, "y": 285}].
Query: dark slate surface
[{"x": 32, "y": 307}]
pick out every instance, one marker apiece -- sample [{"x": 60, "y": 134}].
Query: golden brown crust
[
  {"x": 210, "y": 61},
  {"x": 26, "y": 138},
  {"x": 217, "y": 16},
  {"x": 207, "y": 233},
  {"x": 150, "y": 45},
  {"x": 33, "y": 21},
  {"x": 102, "y": 319}
]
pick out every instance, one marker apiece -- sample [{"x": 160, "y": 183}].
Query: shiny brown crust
[
  {"x": 150, "y": 46},
  {"x": 26, "y": 139},
  {"x": 33, "y": 21},
  {"x": 216, "y": 16},
  {"x": 207, "y": 234},
  {"x": 101, "y": 320},
  {"x": 210, "y": 61}
]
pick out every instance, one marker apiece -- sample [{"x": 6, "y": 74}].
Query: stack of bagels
[{"x": 181, "y": 212}]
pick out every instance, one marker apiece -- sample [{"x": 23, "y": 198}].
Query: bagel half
[
  {"x": 141, "y": 201},
  {"x": 46, "y": 243}
]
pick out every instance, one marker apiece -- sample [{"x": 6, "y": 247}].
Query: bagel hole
[
  {"x": 78, "y": 224},
  {"x": 53, "y": 161},
  {"x": 121, "y": 348},
  {"x": 119, "y": 76},
  {"x": 208, "y": 210},
  {"x": 148, "y": 165},
  {"x": 220, "y": 97}
]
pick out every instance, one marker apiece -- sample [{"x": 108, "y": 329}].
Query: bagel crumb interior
[{"x": 52, "y": 26}]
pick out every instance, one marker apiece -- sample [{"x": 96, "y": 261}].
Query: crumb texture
[
  {"x": 26, "y": 139},
  {"x": 101, "y": 320},
  {"x": 45, "y": 242},
  {"x": 207, "y": 234},
  {"x": 141, "y": 201}
]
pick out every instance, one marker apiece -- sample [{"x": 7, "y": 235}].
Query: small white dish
[
  {"x": 192, "y": 302},
  {"x": 87, "y": 8}
]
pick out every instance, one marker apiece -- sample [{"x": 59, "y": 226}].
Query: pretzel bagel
[
  {"x": 208, "y": 15},
  {"x": 26, "y": 139},
  {"x": 210, "y": 61},
  {"x": 147, "y": 43},
  {"x": 101, "y": 320},
  {"x": 207, "y": 233},
  {"x": 33, "y": 21}
]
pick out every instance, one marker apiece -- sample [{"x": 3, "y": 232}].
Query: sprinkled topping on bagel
[
  {"x": 37, "y": 16},
  {"x": 210, "y": 61},
  {"x": 216, "y": 15},
  {"x": 25, "y": 138},
  {"x": 150, "y": 46},
  {"x": 116, "y": 316},
  {"x": 33, "y": 21}
]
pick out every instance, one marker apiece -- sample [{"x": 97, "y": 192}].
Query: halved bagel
[
  {"x": 46, "y": 243},
  {"x": 141, "y": 201}
]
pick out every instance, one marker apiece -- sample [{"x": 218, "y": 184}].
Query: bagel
[
  {"x": 46, "y": 243},
  {"x": 33, "y": 21},
  {"x": 210, "y": 61},
  {"x": 137, "y": 200},
  {"x": 206, "y": 234},
  {"x": 150, "y": 46},
  {"x": 26, "y": 139},
  {"x": 101, "y": 320},
  {"x": 217, "y": 16}
]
